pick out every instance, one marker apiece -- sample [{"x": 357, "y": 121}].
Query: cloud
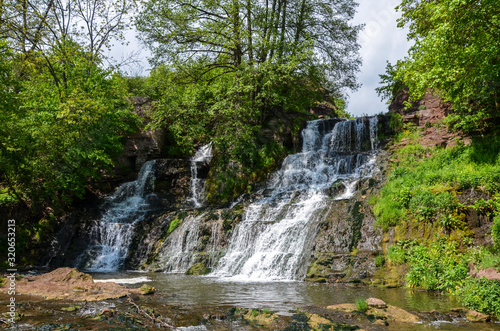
[{"x": 380, "y": 41}]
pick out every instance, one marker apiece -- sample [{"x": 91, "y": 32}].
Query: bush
[
  {"x": 379, "y": 261},
  {"x": 481, "y": 294},
  {"x": 495, "y": 230},
  {"x": 361, "y": 305},
  {"x": 438, "y": 265}
]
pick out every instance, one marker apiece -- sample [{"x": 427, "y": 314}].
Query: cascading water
[
  {"x": 180, "y": 250},
  {"x": 110, "y": 236},
  {"x": 274, "y": 239},
  {"x": 202, "y": 155}
]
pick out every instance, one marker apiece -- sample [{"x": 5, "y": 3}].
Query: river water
[{"x": 282, "y": 297}]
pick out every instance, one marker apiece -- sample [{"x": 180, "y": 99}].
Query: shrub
[
  {"x": 361, "y": 305},
  {"x": 481, "y": 294},
  {"x": 379, "y": 261},
  {"x": 495, "y": 230}
]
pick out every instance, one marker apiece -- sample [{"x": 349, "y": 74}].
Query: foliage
[
  {"x": 456, "y": 54},
  {"x": 485, "y": 257},
  {"x": 396, "y": 255},
  {"x": 481, "y": 294},
  {"x": 224, "y": 35},
  {"x": 495, "y": 230},
  {"x": 173, "y": 225},
  {"x": 361, "y": 305},
  {"x": 61, "y": 134},
  {"x": 379, "y": 261},
  {"x": 436, "y": 266},
  {"x": 424, "y": 182},
  {"x": 391, "y": 83}
]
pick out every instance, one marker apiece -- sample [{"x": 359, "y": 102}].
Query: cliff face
[
  {"x": 428, "y": 115},
  {"x": 176, "y": 237}
]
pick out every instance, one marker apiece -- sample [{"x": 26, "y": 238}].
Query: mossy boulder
[
  {"x": 147, "y": 289},
  {"x": 198, "y": 269}
]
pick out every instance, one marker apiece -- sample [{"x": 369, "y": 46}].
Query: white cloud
[{"x": 380, "y": 41}]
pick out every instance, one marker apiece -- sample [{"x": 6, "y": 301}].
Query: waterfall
[
  {"x": 181, "y": 248},
  {"x": 110, "y": 236},
  {"x": 202, "y": 155},
  {"x": 276, "y": 234}
]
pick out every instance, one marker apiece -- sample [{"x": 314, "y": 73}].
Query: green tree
[
  {"x": 60, "y": 139},
  {"x": 456, "y": 54},
  {"x": 226, "y": 34}
]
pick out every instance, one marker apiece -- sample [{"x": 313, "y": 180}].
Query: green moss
[
  {"x": 173, "y": 225},
  {"x": 198, "y": 269},
  {"x": 147, "y": 289}
]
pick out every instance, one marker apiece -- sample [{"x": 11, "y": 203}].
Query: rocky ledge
[{"x": 69, "y": 284}]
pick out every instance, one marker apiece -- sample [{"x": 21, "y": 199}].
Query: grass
[{"x": 424, "y": 182}]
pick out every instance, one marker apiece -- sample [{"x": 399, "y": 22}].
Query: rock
[
  {"x": 198, "y": 269},
  {"x": 391, "y": 313},
  {"x": 377, "y": 303},
  {"x": 475, "y": 316},
  {"x": 147, "y": 289},
  {"x": 62, "y": 282},
  {"x": 490, "y": 273},
  {"x": 71, "y": 308},
  {"x": 107, "y": 312}
]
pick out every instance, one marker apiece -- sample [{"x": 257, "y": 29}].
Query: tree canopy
[
  {"x": 226, "y": 34},
  {"x": 456, "y": 55}
]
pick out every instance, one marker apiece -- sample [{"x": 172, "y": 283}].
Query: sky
[{"x": 381, "y": 41}]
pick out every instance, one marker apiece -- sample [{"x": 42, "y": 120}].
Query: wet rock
[
  {"x": 376, "y": 303},
  {"x": 475, "y": 316},
  {"x": 71, "y": 308},
  {"x": 198, "y": 269},
  {"x": 107, "y": 312}
]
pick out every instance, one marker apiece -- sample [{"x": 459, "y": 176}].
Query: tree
[
  {"x": 456, "y": 54},
  {"x": 226, "y": 34}
]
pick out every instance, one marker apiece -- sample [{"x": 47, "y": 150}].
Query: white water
[
  {"x": 202, "y": 155},
  {"x": 274, "y": 239},
  {"x": 181, "y": 248},
  {"x": 110, "y": 236},
  {"x": 136, "y": 280}
]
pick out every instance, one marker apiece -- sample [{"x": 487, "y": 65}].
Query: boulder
[
  {"x": 475, "y": 316},
  {"x": 376, "y": 303}
]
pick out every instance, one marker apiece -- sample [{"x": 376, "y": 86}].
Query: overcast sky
[{"x": 380, "y": 41}]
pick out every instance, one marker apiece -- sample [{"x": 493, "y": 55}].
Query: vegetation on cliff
[
  {"x": 444, "y": 204},
  {"x": 222, "y": 69},
  {"x": 436, "y": 200}
]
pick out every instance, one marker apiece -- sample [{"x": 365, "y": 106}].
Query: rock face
[
  {"x": 427, "y": 113},
  {"x": 175, "y": 237}
]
